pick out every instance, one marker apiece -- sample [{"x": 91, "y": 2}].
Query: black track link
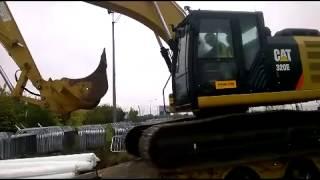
[{"x": 133, "y": 136}]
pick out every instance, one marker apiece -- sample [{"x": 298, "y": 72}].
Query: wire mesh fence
[
  {"x": 48, "y": 139},
  {"x": 37, "y": 141},
  {"x": 91, "y": 137},
  {"x": 121, "y": 129},
  {"x": 5, "y": 145}
]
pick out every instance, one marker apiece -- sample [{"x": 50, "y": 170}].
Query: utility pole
[
  {"x": 114, "y": 69},
  {"x": 151, "y": 101},
  {"x": 150, "y": 109},
  {"x": 139, "y": 111}
]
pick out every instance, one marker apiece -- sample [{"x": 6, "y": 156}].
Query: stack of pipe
[{"x": 51, "y": 167}]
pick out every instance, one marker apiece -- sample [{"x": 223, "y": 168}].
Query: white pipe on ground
[
  {"x": 79, "y": 165},
  {"x": 55, "y": 176},
  {"x": 64, "y": 166},
  {"x": 77, "y": 157},
  {"x": 36, "y": 171}
]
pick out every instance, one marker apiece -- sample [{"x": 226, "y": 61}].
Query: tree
[
  {"x": 102, "y": 115},
  {"x": 14, "y": 112},
  {"x": 77, "y": 118},
  {"x": 133, "y": 115},
  {"x": 35, "y": 115},
  {"x": 7, "y": 113}
]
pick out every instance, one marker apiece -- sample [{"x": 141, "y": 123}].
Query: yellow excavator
[{"x": 221, "y": 63}]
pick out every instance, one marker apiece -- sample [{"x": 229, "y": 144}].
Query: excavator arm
[
  {"x": 61, "y": 96},
  {"x": 159, "y": 16}
]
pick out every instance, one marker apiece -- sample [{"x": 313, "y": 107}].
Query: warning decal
[{"x": 225, "y": 84}]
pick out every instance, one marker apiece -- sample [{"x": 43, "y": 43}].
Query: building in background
[{"x": 162, "y": 111}]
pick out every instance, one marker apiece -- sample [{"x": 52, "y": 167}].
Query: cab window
[
  {"x": 250, "y": 39},
  {"x": 215, "y": 39}
]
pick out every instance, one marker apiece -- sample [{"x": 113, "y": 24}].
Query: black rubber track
[{"x": 231, "y": 137}]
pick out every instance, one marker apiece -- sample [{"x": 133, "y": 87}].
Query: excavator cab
[
  {"x": 228, "y": 61},
  {"x": 216, "y": 50}
]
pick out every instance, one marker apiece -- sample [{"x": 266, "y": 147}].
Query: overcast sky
[{"x": 66, "y": 40}]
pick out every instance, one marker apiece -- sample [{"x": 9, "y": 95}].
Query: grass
[{"x": 109, "y": 158}]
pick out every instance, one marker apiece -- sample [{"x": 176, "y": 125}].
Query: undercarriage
[{"x": 270, "y": 144}]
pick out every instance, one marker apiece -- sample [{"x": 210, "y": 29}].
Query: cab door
[{"x": 218, "y": 57}]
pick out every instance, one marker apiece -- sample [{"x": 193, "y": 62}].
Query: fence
[
  {"x": 40, "y": 141},
  {"x": 122, "y": 128}
]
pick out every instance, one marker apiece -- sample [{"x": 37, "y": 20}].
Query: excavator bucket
[
  {"x": 96, "y": 85},
  {"x": 66, "y": 95}
]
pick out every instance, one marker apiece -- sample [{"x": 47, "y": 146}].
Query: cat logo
[{"x": 282, "y": 55}]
